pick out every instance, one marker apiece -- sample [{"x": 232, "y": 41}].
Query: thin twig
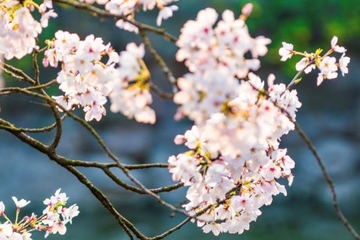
[
  {"x": 159, "y": 60},
  {"x": 36, "y": 68},
  {"x": 106, "y": 168},
  {"x": 160, "y": 93},
  {"x": 80, "y": 163},
  {"x": 145, "y": 166},
  {"x": 35, "y": 130},
  {"x": 124, "y": 223},
  {"x": 297, "y": 75},
  {"x": 168, "y": 232},
  {"x": 18, "y": 73},
  {"x": 328, "y": 180},
  {"x": 10, "y": 90}
]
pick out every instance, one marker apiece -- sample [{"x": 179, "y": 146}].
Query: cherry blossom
[
  {"x": 53, "y": 220},
  {"x": 343, "y": 63},
  {"x": 203, "y": 46},
  {"x": 234, "y": 162},
  {"x": 128, "y": 9},
  {"x": 305, "y": 64},
  {"x": 56, "y": 214},
  {"x": 286, "y": 51},
  {"x": 20, "y": 203},
  {"x": 19, "y": 29},
  {"x": 234, "y": 159},
  {"x": 165, "y": 13},
  {"x": 328, "y": 66},
  {"x": 85, "y": 80},
  {"x": 202, "y": 94},
  {"x": 336, "y": 47},
  {"x": 131, "y": 90},
  {"x": 6, "y": 230}
]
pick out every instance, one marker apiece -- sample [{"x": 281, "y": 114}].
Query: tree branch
[{"x": 328, "y": 181}]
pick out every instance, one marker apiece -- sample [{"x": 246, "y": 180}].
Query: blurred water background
[{"x": 330, "y": 116}]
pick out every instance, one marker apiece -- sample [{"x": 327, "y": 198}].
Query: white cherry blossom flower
[
  {"x": 343, "y": 63},
  {"x": 286, "y": 51},
  {"x": 127, "y": 26},
  {"x": 20, "y": 203},
  {"x": 304, "y": 65},
  {"x": 327, "y": 69},
  {"x": 336, "y": 47},
  {"x": 166, "y": 13},
  {"x": 6, "y": 230}
]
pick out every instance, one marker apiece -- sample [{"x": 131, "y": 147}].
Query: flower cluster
[
  {"x": 234, "y": 159},
  {"x": 131, "y": 92},
  {"x": 215, "y": 58},
  {"x": 18, "y": 28},
  {"x": 53, "y": 219},
  {"x": 87, "y": 81},
  {"x": 328, "y": 66},
  {"x": 203, "y": 46},
  {"x": 128, "y": 8}
]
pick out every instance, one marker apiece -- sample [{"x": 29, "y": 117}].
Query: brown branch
[
  {"x": 326, "y": 176},
  {"x": 36, "y": 67},
  {"x": 159, "y": 60},
  {"x": 80, "y": 163},
  {"x": 126, "y": 225},
  {"x": 160, "y": 93},
  {"x": 17, "y": 73},
  {"x": 145, "y": 166},
  {"x": 126, "y": 171},
  {"x": 328, "y": 181},
  {"x": 26, "y": 91},
  {"x": 106, "y": 169},
  {"x": 97, "y": 12},
  {"x": 126, "y": 186},
  {"x": 168, "y": 232},
  {"x": 33, "y": 130}
]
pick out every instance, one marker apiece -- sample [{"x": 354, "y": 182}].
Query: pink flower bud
[
  {"x": 179, "y": 139},
  {"x": 247, "y": 9}
]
